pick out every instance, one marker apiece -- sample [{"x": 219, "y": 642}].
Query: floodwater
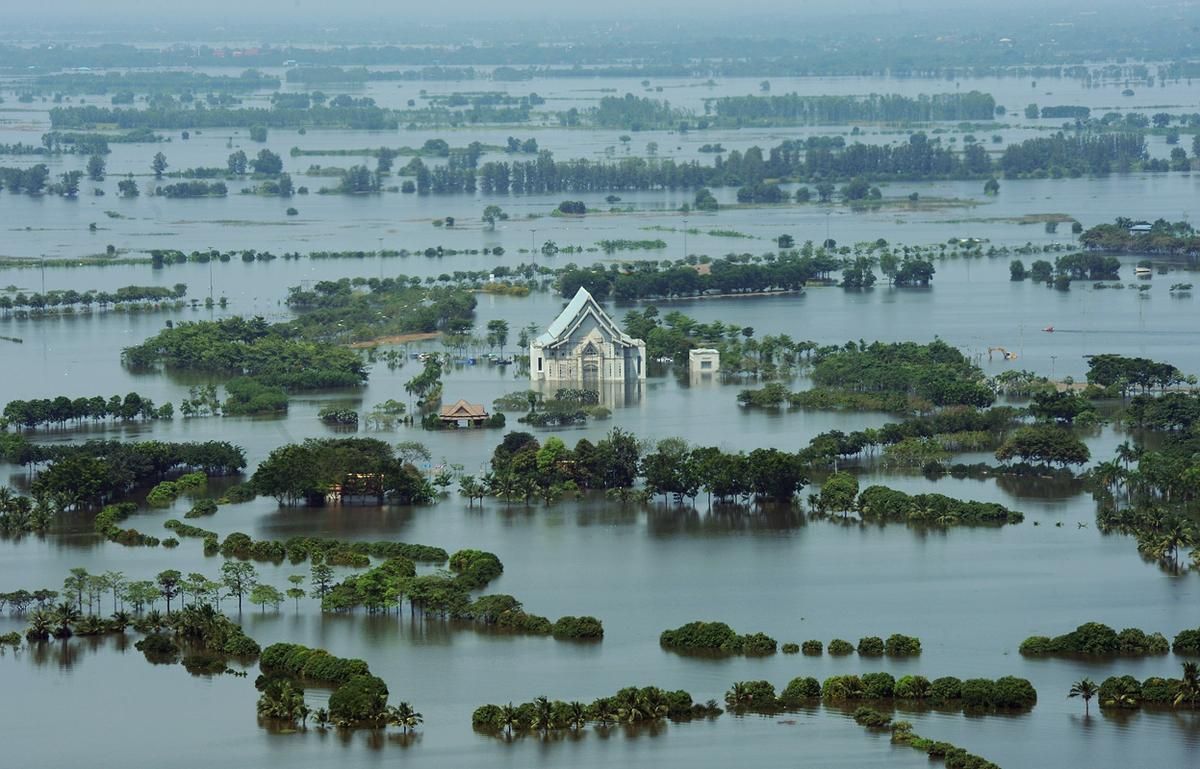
[{"x": 971, "y": 595}]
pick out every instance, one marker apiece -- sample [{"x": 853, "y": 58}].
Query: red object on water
[{"x": 1049, "y": 329}]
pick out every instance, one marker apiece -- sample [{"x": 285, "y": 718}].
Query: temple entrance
[{"x": 590, "y": 361}]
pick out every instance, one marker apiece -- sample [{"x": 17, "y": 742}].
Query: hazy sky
[{"x": 448, "y": 11}]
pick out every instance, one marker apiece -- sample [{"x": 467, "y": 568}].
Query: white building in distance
[{"x": 583, "y": 343}]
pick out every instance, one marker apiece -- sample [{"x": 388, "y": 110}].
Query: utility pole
[
  {"x": 685, "y": 238},
  {"x": 532, "y": 241}
]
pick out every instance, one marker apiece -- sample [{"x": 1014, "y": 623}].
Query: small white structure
[
  {"x": 704, "y": 360},
  {"x": 583, "y": 343}
]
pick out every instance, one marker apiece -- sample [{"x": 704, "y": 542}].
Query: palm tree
[
  {"x": 603, "y": 711},
  {"x": 404, "y": 716},
  {"x": 64, "y": 615},
  {"x": 1085, "y": 688},
  {"x": 653, "y": 703},
  {"x": 542, "y": 713},
  {"x": 578, "y": 715},
  {"x": 321, "y": 716},
  {"x": 629, "y": 707},
  {"x": 1189, "y": 687},
  {"x": 738, "y": 695},
  {"x": 509, "y": 717},
  {"x": 41, "y": 622},
  {"x": 1178, "y": 536}
]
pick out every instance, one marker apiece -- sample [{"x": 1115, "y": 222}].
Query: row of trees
[
  {"x": 71, "y": 297},
  {"x": 631, "y": 705},
  {"x": 167, "y": 117},
  {"x": 841, "y": 110},
  {"x": 59, "y": 411}
]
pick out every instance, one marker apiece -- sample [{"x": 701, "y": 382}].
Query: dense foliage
[
  {"x": 631, "y": 705},
  {"x": 272, "y": 354},
  {"x": 344, "y": 467},
  {"x": 1093, "y": 639},
  {"x": 715, "y": 638}
]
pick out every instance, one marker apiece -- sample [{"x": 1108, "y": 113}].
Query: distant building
[
  {"x": 583, "y": 343},
  {"x": 1141, "y": 228},
  {"x": 704, "y": 360}
]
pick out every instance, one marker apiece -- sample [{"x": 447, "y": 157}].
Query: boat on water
[
  {"x": 1142, "y": 272},
  {"x": 1049, "y": 329}
]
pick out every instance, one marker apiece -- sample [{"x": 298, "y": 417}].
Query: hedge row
[{"x": 974, "y": 694}]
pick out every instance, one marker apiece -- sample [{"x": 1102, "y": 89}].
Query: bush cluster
[
  {"x": 630, "y": 705},
  {"x": 1094, "y": 639},
  {"x": 715, "y": 638}
]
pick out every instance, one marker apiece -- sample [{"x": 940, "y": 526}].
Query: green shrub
[
  {"x": 1090, "y": 639},
  {"x": 812, "y": 647},
  {"x": 898, "y": 645},
  {"x": 1159, "y": 691},
  {"x": 840, "y": 648},
  {"x": 757, "y": 644},
  {"x": 752, "y": 695},
  {"x": 790, "y": 648},
  {"x": 201, "y": 508},
  {"x": 702, "y": 636},
  {"x": 532, "y": 624},
  {"x": 580, "y": 628},
  {"x": 945, "y": 689},
  {"x": 1012, "y": 692},
  {"x": 878, "y": 686},
  {"x": 1187, "y": 642},
  {"x": 913, "y": 688},
  {"x": 871, "y": 646},
  {"x": 800, "y": 690},
  {"x": 1123, "y": 692},
  {"x": 362, "y": 698},
  {"x": 157, "y": 645},
  {"x": 488, "y": 718},
  {"x": 978, "y": 693},
  {"x": 10, "y": 639},
  {"x": 842, "y": 688},
  {"x": 870, "y": 718}
]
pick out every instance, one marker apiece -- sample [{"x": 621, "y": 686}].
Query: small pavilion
[{"x": 474, "y": 414}]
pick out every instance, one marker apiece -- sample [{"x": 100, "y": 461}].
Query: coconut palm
[
  {"x": 404, "y": 716},
  {"x": 509, "y": 717},
  {"x": 738, "y": 695},
  {"x": 629, "y": 706},
  {"x": 321, "y": 716},
  {"x": 64, "y": 615},
  {"x": 602, "y": 710},
  {"x": 1085, "y": 688},
  {"x": 654, "y": 705},
  {"x": 1189, "y": 686},
  {"x": 577, "y": 715},
  {"x": 41, "y": 622},
  {"x": 543, "y": 714}
]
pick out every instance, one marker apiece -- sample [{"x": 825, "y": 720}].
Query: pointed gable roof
[
  {"x": 464, "y": 410},
  {"x": 580, "y": 307}
]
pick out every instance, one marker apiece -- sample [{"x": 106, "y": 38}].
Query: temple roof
[
  {"x": 579, "y": 306},
  {"x": 464, "y": 410}
]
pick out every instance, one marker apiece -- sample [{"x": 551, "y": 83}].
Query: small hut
[{"x": 474, "y": 414}]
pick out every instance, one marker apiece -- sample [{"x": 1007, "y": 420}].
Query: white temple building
[{"x": 583, "y": 343}]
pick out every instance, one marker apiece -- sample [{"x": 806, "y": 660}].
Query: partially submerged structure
[
  {"x": 474, "y": 414},
  {"x": 584, "y": 343}
]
